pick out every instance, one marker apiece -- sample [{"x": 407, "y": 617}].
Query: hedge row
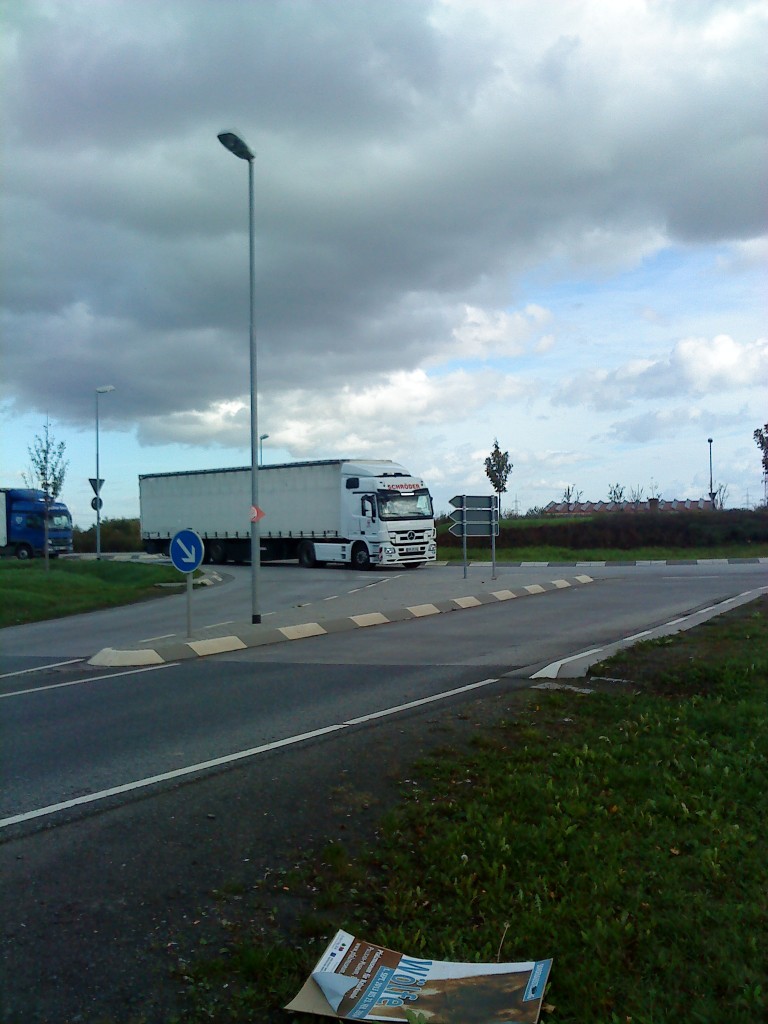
[{"x": 627, "y": 530}]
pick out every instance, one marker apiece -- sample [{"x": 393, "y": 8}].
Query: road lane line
[
  {"x": 89, "y": 679},
  {"x": 41, "y": 668},
  {"x": 217, "y": 762},
  {"x": 551, "y": 671}
]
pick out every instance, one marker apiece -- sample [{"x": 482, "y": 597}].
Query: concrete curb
[{"x": 247, "y": 636}]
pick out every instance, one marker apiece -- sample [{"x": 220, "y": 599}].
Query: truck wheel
[
  {"x": 23, "y": 552},
  {"x": 307, "y": 558},
  {"x": 361, "y": 558},
  {"x": 217, "y": 552}
]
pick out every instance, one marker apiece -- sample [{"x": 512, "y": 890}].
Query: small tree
[
  {"x": 761, "y": 440},
  {"x": 48, "y": 469},
  {"x": 616, "y": 493},
  {"x": 497, "y": 469}
]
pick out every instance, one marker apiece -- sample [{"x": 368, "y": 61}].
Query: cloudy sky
[{"x": 542, "y": 222}]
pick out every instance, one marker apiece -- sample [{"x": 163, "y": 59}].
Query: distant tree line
[{"x": 116, "y": 535}]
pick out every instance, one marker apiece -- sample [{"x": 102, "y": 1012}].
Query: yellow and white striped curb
[{"x": 257, "y": 636}]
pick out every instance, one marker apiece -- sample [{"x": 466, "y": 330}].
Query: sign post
[
  {"x": 187, "y": 551},
  {"x": 476, "y": 515}
]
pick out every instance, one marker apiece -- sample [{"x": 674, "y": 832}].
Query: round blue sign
[{"x": 187, "y": 550}]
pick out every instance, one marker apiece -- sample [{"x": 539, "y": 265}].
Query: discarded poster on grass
[{"x": 357, "y": 980}]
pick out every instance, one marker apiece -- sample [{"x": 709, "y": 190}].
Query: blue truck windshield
[{"x": 405, "y": 504}]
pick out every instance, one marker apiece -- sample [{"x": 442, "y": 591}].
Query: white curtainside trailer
[{"x": 356, "y": 511}]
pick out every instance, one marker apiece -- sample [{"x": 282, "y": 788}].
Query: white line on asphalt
[
  {"x": 551, "y": 671},
  {"x": 151, "y": 639},
  {"x": 88, "y": 679},
  {"x": 217, "y": 762},
  {"x": 41, "y": 668},
  {"x": 215, "y": 625}
]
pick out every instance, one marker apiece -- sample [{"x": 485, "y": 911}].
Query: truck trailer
[
  {"x": 359, "y": 512},
  {"x": 22, "y": 524}
]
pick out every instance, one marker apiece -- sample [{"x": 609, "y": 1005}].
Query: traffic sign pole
[
  {"x": 464, "y": 532},
  {"x": 187, "y": 551},
  {"x": 493, "y": 538},
  {"x": 476, "y": 515}
]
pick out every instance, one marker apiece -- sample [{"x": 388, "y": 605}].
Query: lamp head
[{"x": 234, "y": 142}]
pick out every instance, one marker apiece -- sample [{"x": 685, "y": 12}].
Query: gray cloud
[{"x": 412, "y": 158}]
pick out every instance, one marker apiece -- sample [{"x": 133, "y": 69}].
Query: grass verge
[
  {"x": 30, "y": 594},
  {"x": 571, "y": 555},
  {"x": 622, "y": 833}
]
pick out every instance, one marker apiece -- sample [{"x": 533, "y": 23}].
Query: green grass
[
  {"x": 30, "y": 594},
  {"x": 622, "y": 833}
]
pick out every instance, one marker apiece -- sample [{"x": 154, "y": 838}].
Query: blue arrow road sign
[{"x": 187, "y": 550}]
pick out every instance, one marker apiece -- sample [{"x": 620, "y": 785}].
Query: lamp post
[
  {"x": 103, "y": 390},
  {"x": 262, "y": 438},
  {"x": 235, "y": 144},
  {"x": 711, "y": 491}
]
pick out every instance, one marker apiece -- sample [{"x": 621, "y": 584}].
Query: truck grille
[{"x": 411, "y": 542}]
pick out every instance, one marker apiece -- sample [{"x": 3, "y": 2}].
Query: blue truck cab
[{"x": 22, "y": 524}]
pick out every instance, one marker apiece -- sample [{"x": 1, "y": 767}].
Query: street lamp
[
  {"x": 262, "y": 438},
  {"x": 103, "y": 390},
  {"x": 711, "y": 491},
  {"x": 235, "y": 144}
]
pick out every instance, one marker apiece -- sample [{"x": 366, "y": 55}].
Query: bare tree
[
  {"x": 636, "y": 494},
  {"x": 616, "y": 493},
  {"x": 47, "y": 472},
  {"x": 571, "y": 496}
]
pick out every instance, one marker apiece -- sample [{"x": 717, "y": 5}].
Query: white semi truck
[{"x": 360, "y": 512}]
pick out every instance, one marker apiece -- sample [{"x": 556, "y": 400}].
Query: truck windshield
[
  {"x": 59, "y": 520},
  {"x": 405, "y": 505}
]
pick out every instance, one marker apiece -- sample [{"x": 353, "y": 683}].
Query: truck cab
[
  {"x": 391, "y": 519},
  {"x": 22, "y": 532}
]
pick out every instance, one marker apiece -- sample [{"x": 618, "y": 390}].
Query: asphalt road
[
  {"x": 129, "y": 795},
  {"x": 73, "y": 733}
]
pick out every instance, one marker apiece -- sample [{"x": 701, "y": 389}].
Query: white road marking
[
  {"x": 551, "y": 671},
  {"x": 88, "y": 679},
  {"x": 217, "y": 762},
  {"x": 41, "y": 668}
]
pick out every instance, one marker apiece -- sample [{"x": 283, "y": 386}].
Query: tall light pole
[
  {"x": 235, "y": 144},
  {"x": 262, "y": 438},
  {"x": 711, "y": 491},
  {"x": 103, "y": 390}
]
